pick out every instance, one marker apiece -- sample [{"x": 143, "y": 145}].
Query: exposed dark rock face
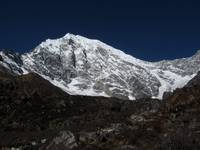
[
  {"x": 167, "y": 94},
  {"x": 1, "y": 58},
  {"x": 195, "y": 81}
]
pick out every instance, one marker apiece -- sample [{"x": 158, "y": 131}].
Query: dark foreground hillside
[{"x": 34, "y": 114}]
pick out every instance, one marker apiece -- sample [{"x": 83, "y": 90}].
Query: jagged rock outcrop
[{"x": 195, "y": 81}]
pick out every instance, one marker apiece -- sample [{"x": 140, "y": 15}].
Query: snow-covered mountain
[{"x": 83, "y": 66}]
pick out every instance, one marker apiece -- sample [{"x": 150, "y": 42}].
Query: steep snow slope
[{"x": 89, "y": 67}]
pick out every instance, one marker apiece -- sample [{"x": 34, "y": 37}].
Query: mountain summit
[{"x": 82, "y": 66}]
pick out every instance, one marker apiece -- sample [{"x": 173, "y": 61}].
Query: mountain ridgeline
[{"x": 82, "y": 66}]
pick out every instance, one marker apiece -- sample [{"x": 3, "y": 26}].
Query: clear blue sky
[{"x": 147, "y": 29}]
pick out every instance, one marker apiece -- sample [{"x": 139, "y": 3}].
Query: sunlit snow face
[{"x": 89, "y": 67}]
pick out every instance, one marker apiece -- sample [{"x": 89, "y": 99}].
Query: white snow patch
[
  {"x": 130, "y": 97},
  {"x": 170, "y": 81}
]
